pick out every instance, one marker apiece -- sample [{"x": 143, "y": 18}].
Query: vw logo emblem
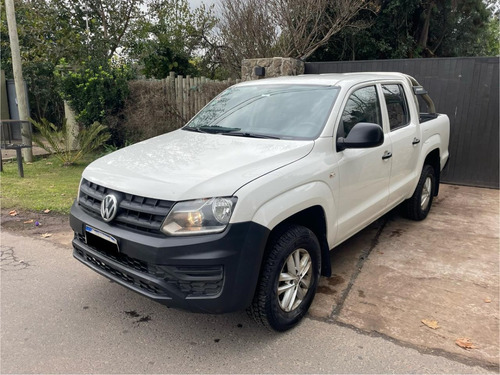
[{"x": 109, "y": 208}]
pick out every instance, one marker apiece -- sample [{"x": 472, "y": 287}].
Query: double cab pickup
[{"x": 240, "y": 208}]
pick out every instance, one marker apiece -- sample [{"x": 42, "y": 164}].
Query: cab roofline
[{"x": 327, "y": 79}]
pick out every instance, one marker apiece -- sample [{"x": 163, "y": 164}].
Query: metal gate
[{"x": 467, "y": 90}]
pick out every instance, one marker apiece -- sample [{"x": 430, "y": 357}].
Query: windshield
[{"x": 267, "y": 111}]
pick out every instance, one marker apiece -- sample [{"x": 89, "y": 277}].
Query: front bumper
[{"x": 213, "y": 273}]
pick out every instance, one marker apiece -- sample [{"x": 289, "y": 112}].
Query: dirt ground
[{"x": 52, "y": 226}]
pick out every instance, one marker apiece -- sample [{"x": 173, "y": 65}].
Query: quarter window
[
  {"x": 397, "y": 106},
  {"x": 362, "y": 106}
]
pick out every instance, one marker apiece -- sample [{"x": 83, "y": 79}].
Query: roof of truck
[{"x": 329, "y": 79}]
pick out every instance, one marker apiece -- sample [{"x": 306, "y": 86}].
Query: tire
[
  {"x": 419, "y": 205},
  {"x": 284, "y": 295}
]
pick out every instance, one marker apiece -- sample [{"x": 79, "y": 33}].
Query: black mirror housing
[{"x": 362, "y": 135}]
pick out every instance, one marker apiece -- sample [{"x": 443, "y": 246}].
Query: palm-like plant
[{"x": 58, "y": 140}]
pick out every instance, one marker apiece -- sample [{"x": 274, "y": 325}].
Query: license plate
[{"x": 100, "y": 234}]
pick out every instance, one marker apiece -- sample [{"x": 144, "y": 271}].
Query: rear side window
[
  {"x": 397, "y": 106},
  {"x": 362, "y": 106}
]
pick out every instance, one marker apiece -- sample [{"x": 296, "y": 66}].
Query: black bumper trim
[
  {"x": 214, "y": 273},
  {"x": 92, "y": 258}
]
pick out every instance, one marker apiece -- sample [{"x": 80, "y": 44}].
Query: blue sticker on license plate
[{"x": 98, "y": 233}]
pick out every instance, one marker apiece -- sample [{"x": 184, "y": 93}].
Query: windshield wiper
[
  {"x": 215, "y": 129},
  {"x": 198, "y": 130},
  {"x": 250, "y": 135}
]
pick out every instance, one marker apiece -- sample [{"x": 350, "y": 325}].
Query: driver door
[{"x": 364, "y": 174}]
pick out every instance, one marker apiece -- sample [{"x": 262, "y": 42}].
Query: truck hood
[{"x": 184, "y": 165}]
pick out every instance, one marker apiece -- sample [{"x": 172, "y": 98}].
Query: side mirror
[{"x": 362, "y": 135}]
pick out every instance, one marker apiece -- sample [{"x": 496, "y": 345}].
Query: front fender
[{"x": 288, "y": 203}]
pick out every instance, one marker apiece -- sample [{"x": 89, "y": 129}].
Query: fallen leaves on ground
[
  {"x": 431, "y": 323},
  {"x": 29, "y": 221},
  {"x": 13, "y": 213},
  {"x": 46, "y": 235},
  {"x": 465, "y": 343}
]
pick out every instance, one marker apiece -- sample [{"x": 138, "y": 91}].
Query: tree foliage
[
  {"x": 155, "y": 35},
  {"x": 246, "y": 31},
  {"x": 44, "y": 38},
  {"x": 287, "y": 28},
  {"x": 105, "y": 27},
  {"x": 171, "y": 37},
  {"x": 417, "y": 28},
  {"x": 94, "y": 92},
  {"x": 105, "y": 41},
  {"x": 64, "y": 30}
]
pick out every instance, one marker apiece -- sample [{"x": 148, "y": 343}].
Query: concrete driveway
[
  {"x": 445, "y": 269},
  {"x": 57, "y": 316}
]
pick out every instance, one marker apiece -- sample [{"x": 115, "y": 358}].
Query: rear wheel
[
  {"x": 419, "y": 205},
  {"x": 289, "y": 278}
]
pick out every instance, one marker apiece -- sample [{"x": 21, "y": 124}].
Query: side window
[
  {"x": 362, "y": 106},
  {"x": 397, "y": 106}
]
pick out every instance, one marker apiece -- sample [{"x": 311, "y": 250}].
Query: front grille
[{"x": 140, "y": 213}]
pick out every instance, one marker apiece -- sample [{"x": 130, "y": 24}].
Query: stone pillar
[
  {"x": 273, "y": 67},
  {"x": 72, "y": 128}
]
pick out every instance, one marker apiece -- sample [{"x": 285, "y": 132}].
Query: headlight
[{"x": 200, "y": 216}]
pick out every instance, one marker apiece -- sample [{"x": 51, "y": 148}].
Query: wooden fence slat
[
  {"x": 184, "y": 94},
  {"x": 171, "y": 84},
  {"x": 198, "y": 95},
  {"x": 192, "y": 99}
]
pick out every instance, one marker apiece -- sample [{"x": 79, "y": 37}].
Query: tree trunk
[{"x": 424, "y": 35}]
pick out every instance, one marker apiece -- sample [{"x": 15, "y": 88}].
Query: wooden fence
[
  {"x": 155, "y": 107},
  {"x": 192, "y": 93}
]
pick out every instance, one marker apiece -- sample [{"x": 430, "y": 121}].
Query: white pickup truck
[{"x": 240, "y": 208}]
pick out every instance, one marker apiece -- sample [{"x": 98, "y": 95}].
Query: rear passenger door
[{"x": 404, "y": 136}]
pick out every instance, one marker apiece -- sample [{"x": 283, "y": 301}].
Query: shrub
[
  {"x": 57, "y": 140},
  {"x": 95, "y": 92}
]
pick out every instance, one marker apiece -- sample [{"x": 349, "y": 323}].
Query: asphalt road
[{"x": 57, "y": 316}]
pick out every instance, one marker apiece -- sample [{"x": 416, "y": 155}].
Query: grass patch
[{"x": 46, "y": 185}]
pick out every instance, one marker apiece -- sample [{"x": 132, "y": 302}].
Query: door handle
[
  {"x": 416, "y": 141},
  {"x": 387, "y": 155}
]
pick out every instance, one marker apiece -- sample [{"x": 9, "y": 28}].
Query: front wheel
[
  {"x": 288, "y": 280},
  {"x": 419, "y": 205}
]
